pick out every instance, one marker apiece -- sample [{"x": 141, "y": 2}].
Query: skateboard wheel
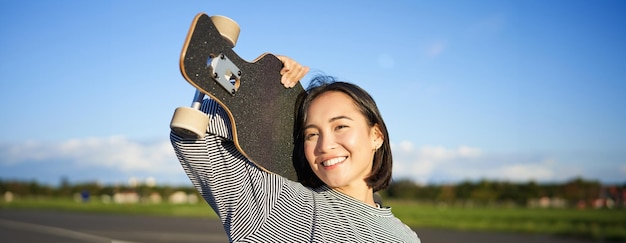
[
  {"x": 188, "y": 122},
  {"x": 228, "y": 28}
]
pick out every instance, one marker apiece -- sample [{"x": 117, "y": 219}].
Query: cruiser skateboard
[{"x": 260, "y": 108}]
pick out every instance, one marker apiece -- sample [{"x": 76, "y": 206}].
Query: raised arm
[{"x": 238, "y": 191}]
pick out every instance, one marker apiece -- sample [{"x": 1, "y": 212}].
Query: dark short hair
[{"x": 380, "y": 176}]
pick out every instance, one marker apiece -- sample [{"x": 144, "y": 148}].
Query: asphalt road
[{"x": 47, "y": 226}]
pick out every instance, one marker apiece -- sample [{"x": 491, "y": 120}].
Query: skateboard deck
[{"x": 260, "y": 108}]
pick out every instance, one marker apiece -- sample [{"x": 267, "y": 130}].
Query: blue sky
[{"x": 503, "y": 90}]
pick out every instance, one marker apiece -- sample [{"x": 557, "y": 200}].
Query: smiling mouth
[{"x": 333, "y": 161}]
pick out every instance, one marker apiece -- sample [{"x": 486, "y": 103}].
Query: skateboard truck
[
  {"x": 190, "y": 122},
  {"x": 225, "y": 73}
]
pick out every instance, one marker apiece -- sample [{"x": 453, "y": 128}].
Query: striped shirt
[{"x": 258, "y": 206}]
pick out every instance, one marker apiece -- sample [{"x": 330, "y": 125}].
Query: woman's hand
[{"x": 292, "y": 71}]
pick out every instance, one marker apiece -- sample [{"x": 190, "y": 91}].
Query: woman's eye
[
  {"x": 339, "y": 127},
  {"x": 309, "y": 136}
]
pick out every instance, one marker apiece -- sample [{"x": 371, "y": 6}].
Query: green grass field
[
  {"x": 200, "y": 209},
  {"x": 602, "y": 224}
]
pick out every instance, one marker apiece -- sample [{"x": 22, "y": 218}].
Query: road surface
[{"x": 48, "y": 226}]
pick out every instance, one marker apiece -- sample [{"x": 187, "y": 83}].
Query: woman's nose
[{"x": 326, "y": 143}]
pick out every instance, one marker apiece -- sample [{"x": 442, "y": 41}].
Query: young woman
[{"x": 341, "y": 156}]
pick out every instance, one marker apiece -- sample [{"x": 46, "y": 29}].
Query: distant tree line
[
  {"x": 577, "y": 192},
  {"x": 574, "y": 193},
  {"x": 66, "y": 189}
]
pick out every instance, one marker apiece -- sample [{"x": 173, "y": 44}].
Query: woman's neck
[{"x": 364, "y": 194}]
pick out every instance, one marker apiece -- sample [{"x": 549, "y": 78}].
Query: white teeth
[{"x": 333, "y": 161}]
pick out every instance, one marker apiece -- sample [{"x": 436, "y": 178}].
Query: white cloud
[
  {"x": 440, "y": 153},
  {"x": 441, "y": 164},
  {"x": 422, "y": 164},
  {"x": 520, "y": 172},
  {"x": 114, "y": 152},
  {"x": 419, "y": 164},
  {"x": 405, "y": 146}
]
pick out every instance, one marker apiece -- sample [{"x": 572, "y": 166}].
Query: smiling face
[{"x": 339, "y": 142}]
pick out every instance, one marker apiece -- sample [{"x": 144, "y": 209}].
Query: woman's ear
[{"x": 377, "y": 137}]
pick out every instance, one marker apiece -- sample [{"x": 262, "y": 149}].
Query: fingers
[
  {"x": 292, "y": 76},
  {"x": 291, "y": 72}
]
